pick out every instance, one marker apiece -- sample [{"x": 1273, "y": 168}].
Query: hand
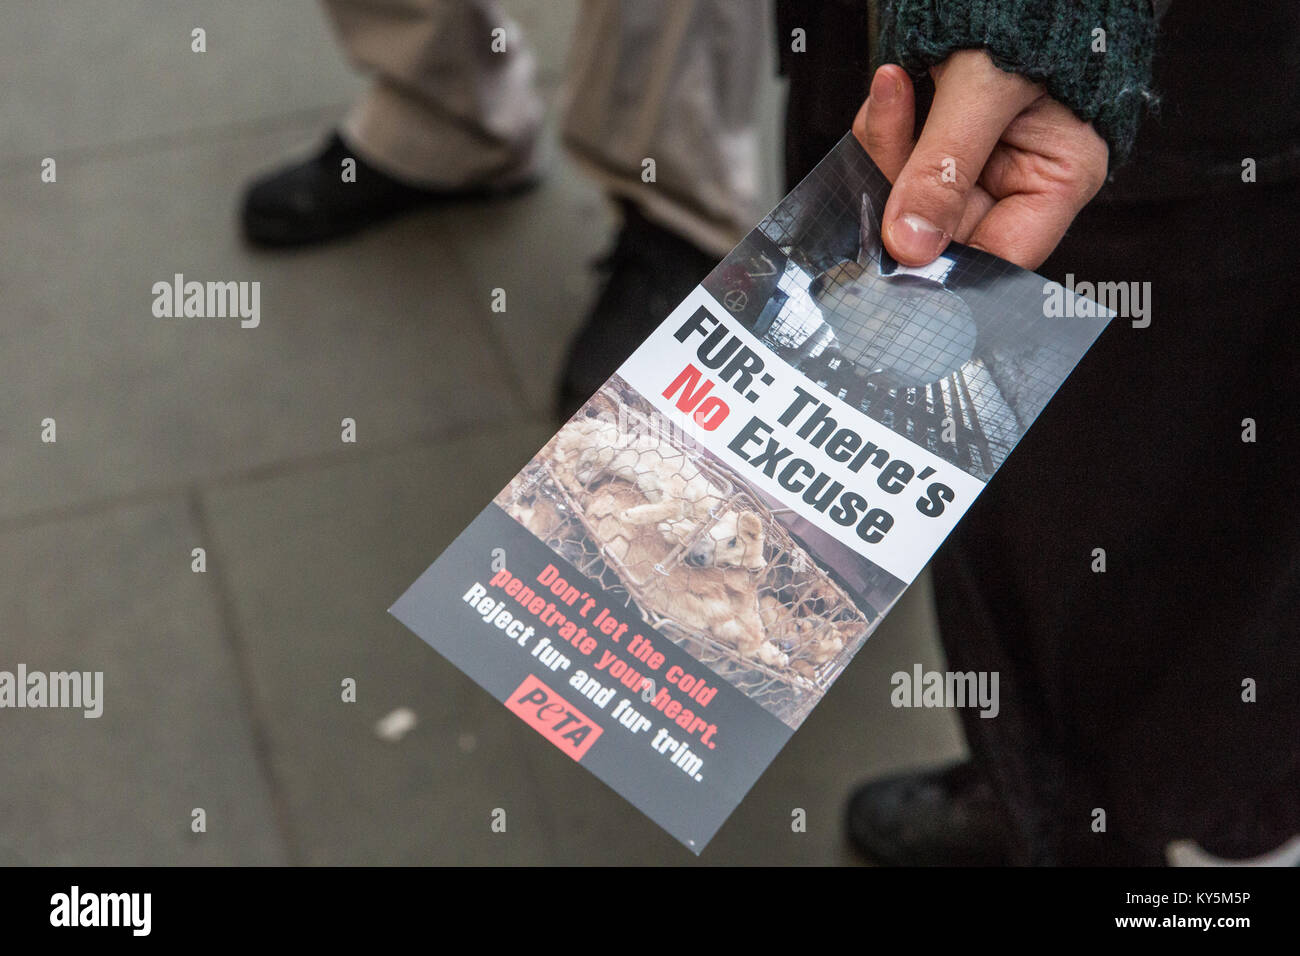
[{"x": 1000, "y": 165}]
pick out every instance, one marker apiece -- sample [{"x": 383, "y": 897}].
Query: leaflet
[{"x": 671, "y": 584}]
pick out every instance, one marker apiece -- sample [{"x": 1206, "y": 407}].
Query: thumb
[{"x": 974, "y": 102}]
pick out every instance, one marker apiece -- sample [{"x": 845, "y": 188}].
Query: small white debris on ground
[{"x": 396, "y": 725}]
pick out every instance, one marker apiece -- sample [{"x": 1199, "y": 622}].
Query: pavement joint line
[
  {"x": 497, "y": 346},
  {"x": 258, "y": 721},
  {"x": 171, "y": 139},
  {"x": 519, "y": 391},
  {"x": 269, "y": 470}
]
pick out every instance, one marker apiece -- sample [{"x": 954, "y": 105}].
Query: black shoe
[
  {"x": 946, "y": 817},
  {"x": 309, "y": 202},
  {"x": 648, "y": 273}
]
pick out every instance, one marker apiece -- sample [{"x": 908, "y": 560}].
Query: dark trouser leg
[{"x": 1123, "y": 690}]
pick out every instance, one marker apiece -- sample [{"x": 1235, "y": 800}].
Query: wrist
[{"x": 1094, "y": 56}]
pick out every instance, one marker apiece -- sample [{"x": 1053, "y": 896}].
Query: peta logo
[
  {"x": 551, "y": 716},
  {"x": 208, "y": 300},
  {"x": 74, "y": 908}
]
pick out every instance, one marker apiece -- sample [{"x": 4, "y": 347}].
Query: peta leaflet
[{"x": 671, "y": 584}]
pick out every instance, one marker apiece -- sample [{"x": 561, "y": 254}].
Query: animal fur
[
  {"x": 720, "y": 599},
  {"x": 589, "y": 451}
]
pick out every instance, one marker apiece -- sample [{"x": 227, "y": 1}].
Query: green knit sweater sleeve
[{"x": 1104, "y": 77}]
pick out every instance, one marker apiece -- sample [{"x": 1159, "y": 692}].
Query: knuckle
[
  {"x": 1097, "y": 166},
  {"x": 941, "y": 178},
  {"x": 1087, "y": 181},
  {"x": 876, "y": 139},
  {"x": 1083, "y": 168},
  {"x": 1075, "y": 177},
  {"x": 860, "y": 130}
]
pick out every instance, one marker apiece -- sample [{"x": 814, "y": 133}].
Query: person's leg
[
  {"x": 452, "y": 102},
  {"x": 1126, "y": 690},
  {"x": 676, "y": 82},
  {"x": 826, "y": 87},
  {"x": 451, "y": 112},
  {"x": 660, "y": 105}
]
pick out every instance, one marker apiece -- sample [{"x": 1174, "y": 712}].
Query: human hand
[{"x": 1000, "y": 165}]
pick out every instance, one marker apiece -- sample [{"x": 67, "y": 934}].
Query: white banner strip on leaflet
[{"x": 864, "y": 484}]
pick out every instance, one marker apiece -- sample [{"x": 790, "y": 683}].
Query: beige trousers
[{"x": 453, "y": 101}]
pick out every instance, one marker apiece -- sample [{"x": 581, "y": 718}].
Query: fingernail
[
  {"x": 883, "y": 88},
  {"x": 917, "y": 238}
]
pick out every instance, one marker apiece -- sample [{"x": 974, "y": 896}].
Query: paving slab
[
  {"x": 115, "y": 593},
  {"x": 381, "y": 329},
  {"x": 81, "y": 76}
]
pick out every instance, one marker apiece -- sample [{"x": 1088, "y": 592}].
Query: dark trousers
[{"x": 1123, "y": 691}]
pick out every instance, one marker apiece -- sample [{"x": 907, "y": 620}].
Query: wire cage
[
  {"x": 943, "y": 355},
  {"x": 643, "y": 511}
]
